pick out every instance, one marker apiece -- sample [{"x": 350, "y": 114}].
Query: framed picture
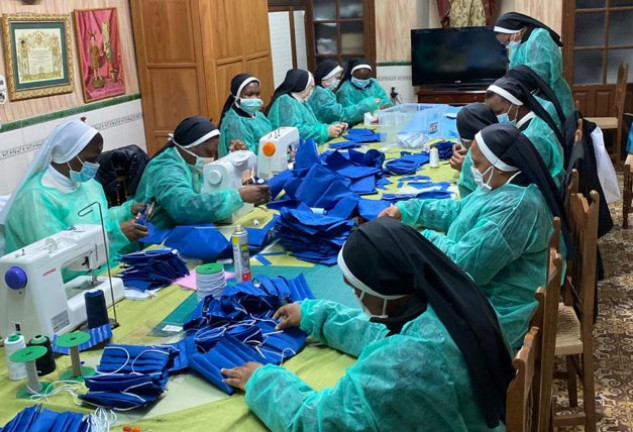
[
  {"x": 38, "y": 55},
  {"x": 99, "y": 48}
]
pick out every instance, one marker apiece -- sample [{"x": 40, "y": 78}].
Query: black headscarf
[
  {"x": 296, "y": 81},
  {"x": 351, "y": 65},
  {"x": 394, "y": 259},
  {"x": 236, "y": 83},
  {"x": 188, "y": 131},
  {"x": 473, "y": 118},
  {"x": 323, "y": 69},
  {"x": 536, "y": 85},
  {"x": 516, "y": 21},
  {"x": 515, "y": 149},
  {"x": 519, "y": 91}
]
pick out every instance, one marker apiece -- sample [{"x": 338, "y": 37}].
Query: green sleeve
[
  {"x": 466, "y": 182},
  {"x": 231, "y": 129},
  {"x": 287, "y": 111},
  {"x": 123, "y": 212},
  {"x": 328, "y": 110},
  {"x": 174, "y": 192},
  {"x": 340, "y": 327},
  {"x": 436, "y": 214},
  {"x": 379, "y": 93}
]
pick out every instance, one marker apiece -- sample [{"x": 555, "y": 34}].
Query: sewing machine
[
  {"x": 34, "y": 299},
  {"x": 274, "y": 150},
  {"x": 228, "y": 173}
]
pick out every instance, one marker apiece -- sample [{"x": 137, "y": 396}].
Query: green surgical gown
[
  {"x": 349, "y": 95},
  {"x": 500, "y": 239},
  {"x": 412, "y": 381},
  {"x": 247, "y": 129},
  {"x": 40, "y": 211},
  {"x": 541, "y": 53},
  {"x": 176, "y": 188},
  {"x": 328, "y": 110},
  {"x": 546, "y": 144},
  {"x": 288, "y": 111}
]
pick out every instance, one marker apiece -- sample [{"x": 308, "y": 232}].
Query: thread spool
[
  {"x": 12, "y": 344},
  {"x": 72, "y": 341},
  {"x": 96, "y": 309},
  {"x": 434, "y": 159},
  {"x": 45, "y": 364},
  {"x": 27, "y": 357},
  {"x": 210, "y": 280}
]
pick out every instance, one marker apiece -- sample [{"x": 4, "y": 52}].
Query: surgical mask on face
[
  {"x": 200, "y": 161},
  {"x": 483, "y": 185},
  {"x": 513, "y": 45},
  {"x": 334, "y": 84},
  {"x": 505, "y": 118},
  {"x": 368, "y": 312},
  {"x": 362, "y": 83},
  {"x": 250, "y": 105},
  {"x": 87, "y": 173}
]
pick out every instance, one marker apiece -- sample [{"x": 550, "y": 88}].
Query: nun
[
  {"x": 242, "y": 123},
  {"x": 58, "y": 185},
  {"x": 173, "y": 179},
  {"x": 499, "y": 234},
  {"x": 533, "y": 44},
  {"x": 515, "y": 105},
  {"x": 470, "y": 120},
  {"x": 358, "y": 85},
  {"x": 323, "y": 102},
  {"x": 289, "y": 107},
  {"x": 429, "y": 347}
]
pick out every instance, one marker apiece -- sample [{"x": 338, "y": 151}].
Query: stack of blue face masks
[
  {"x": 36, "y": 418},
  {"x": 407, "y": 163},
  {"x": 359, "y": 135},
  {"x": 313, "y": 237},
  {"x": 98, "y": 335},
  {"x": 152, "y": 269},
  {"x": 130, "y": 376}
]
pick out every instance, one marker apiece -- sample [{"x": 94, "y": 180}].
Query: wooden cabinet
[
  {"x": 451, "y": 97},
  {"x": 187, "y": 52}
]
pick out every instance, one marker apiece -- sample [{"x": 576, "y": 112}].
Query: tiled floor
[{"x": 613, "y": 333}]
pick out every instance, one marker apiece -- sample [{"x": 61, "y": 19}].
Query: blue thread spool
[{"x": 96, "y": 309}]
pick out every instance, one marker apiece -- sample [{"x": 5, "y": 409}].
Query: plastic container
[{"x": 393, "y": 120}]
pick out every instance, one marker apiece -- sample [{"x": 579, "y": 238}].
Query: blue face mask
[
  {"x": 334, "y": 84},
  {"x": 505, "y": 118},
  {"x": 362, "y": 83},
  {"x": 87, "y": 173},
  {"x": 251, "y": 106},
  {"x": 512, "y": 47}
]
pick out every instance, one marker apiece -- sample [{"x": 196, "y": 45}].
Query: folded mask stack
[
  {"x": 151, "y": 269},
  {"x": 36, "y": 418}
]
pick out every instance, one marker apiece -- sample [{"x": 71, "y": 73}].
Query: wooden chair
[
  {"x": 574, "y": 336},
  {"x": 627, "y": 195},
  {"x": 616, "y": 123},
  {"x": 520, "y": 395}
]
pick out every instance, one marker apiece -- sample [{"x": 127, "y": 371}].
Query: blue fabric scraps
[
  {"x": 383, "y": 182},
  {"x": 360, "y": 135},
  {"x": 307, "y": 156},
  {"x": 313, "y": 237},
  {"x": 370, "y": 209},
  {"x": 36, "y": 418},
  {"x": 349, "y": 168},
  {"x": 407, "y": 163},
  {"x": 204, "y": 242},
  {"x": 424, "y": 185},
  {"x": 345, "y": 208},
  {"x": 444, "y": 149},
  {"x": 98, "y": 335},
  {"x": 276, "y": 184},
  {"x": 345, "y": 145},
  {"x": 155, "y": 235},
  {"x": 322, "y": 188},
  {"x": 151, "y": 269},
  {"x": 372, "y": 157},
  {"x": 258, "y": 237},
  {"x": 364, "y": 186}
]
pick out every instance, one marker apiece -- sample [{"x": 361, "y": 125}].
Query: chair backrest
[
  {"x": 519, "y": 396},
  {"x": 572, "y": 187},
  {"x": 620, "y": 91},
  {"x": 580, "y": 281}
]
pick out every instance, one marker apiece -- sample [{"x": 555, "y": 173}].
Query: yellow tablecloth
[{"x": 191, "y": 404}]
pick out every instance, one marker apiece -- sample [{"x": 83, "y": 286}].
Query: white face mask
[
  {"x": 483, "y": 185},
  {"x": 368, "y": 312}
]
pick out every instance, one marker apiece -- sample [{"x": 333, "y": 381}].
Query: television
[{"x": 456, "y": 57}]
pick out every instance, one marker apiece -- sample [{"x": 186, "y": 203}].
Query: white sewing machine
[
  {"x": 228, "y": 173},
  {"x": 33, "y": 296},
  {"x": 274, "y": 149}
]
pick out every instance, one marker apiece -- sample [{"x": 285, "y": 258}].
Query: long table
[{"x": 190, "y": 403}]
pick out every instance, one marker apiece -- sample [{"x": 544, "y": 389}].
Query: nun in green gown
[{"x": 358, "y": 85}]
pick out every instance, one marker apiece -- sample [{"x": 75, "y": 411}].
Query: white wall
[{"x": 120, "y": 125}]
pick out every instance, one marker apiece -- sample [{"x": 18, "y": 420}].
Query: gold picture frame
[{"x": 38, "y": 55}]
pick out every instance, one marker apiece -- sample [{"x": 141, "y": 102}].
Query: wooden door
[{"x": 170, "y": 67}]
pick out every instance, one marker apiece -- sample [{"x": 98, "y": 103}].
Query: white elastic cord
[
  {"x": 361, "y": 66},
  {"x": 491, "y": 157},
  {"x": 505, "y": 94},
  {"x": 333, "y": 72},
  {"x": 213, "y": 133},
  {"x": 504, "y": 30}
]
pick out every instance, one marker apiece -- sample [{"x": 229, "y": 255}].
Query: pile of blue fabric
[
  {"x": 36, "y": 418},
  {"x": 151, "y": 269},
  {"x": 313, "y": 237}
]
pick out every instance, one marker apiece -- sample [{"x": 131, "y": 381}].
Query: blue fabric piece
[
  {"x": 276, "y": 184},
  {"x": 422, "y": 195},
  {"x": 98, "y": 335},
  {"x": 383, "y": 182},
  {"x": 123, "y": 391},
  {"x": 364, "y": 186},
  {"x": 144, "y": 359},
  {"x": 37, "y": 419},
  {"x": 370, "y": 209},
  {"x": 345, "y": 145},
  {"x": 203, "y": 242},
  {"x": 360, "y": 131},
  {"x": 415, "y": 178},
  {"x": 155, "y": 235},
  {"x": 372, "y": 157},
  {"x": 322, "y": 188},
  {"x": 151, "y": 269},
  {"x": 348, "y": 168},
  {"x": 362, "y": 136},
  {"x": 444, "y": 149},
  {"x": 262, "y": 259},
  {"x": 425, "y": 185},
  {"x": 260, "y": 236},
  {"x": 179, "y": 362},
  {"x": 407, "y": 163},
  {"x": 346, "y": 207},
  {"x": 307, "y": 156},
  {"x": 289, "y": 204}
]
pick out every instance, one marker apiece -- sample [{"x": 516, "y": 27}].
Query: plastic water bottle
[
  {"x": 241, "y": 257},
  {"x": 434, "y": 161}
]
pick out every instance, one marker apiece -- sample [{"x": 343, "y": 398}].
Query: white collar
[{"x": 529, "y": 116}]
